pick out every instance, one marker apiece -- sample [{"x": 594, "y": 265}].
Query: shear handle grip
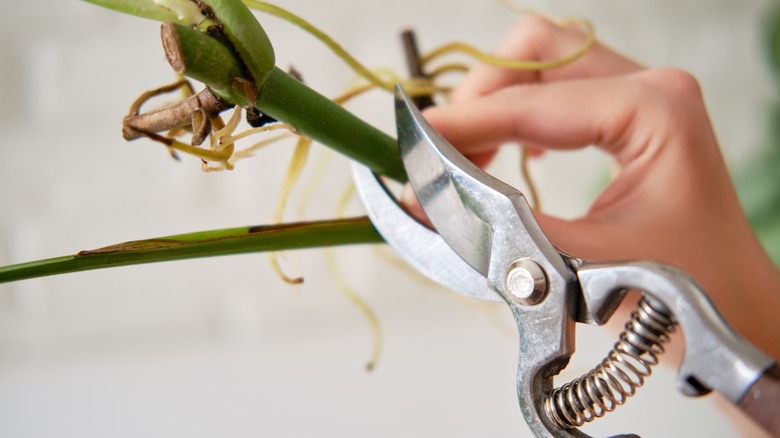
[
  {"x": 762, "y": 401},
  {"x": 716, "y": 357}
]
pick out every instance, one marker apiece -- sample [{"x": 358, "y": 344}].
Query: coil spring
[{"x": 617, "y": 377}]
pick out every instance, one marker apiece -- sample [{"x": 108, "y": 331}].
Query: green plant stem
[
  {"x": 286, "y": 99},
  {"x": 222, "y": 242},
  {"x": 229, "y": 65},
  {"x": 208, "y": 60}
]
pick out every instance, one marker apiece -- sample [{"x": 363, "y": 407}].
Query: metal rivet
[{"x": 526, "y": 282}]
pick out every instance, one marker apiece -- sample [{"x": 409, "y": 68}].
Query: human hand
[{"x": 672, "y": 200}]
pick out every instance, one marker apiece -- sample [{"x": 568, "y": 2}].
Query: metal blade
[
  {"x": 490, "y": 225},
  {"x": 422, "y": 248},
  {"x": 485, "y": 221}
]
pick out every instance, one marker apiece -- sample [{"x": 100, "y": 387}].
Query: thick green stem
[
  {"x": 208, "y": 60},
  {"x": 202, "y": 244},
  {"x": 284, "y": 98}
]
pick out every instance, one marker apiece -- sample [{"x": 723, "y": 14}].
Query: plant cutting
[{"x": 221, "y": 44}]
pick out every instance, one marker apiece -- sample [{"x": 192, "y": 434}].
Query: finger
[
  {"x": 559, "y": 115},
  {"x": 578, "y": 237},
  {"x": 412, "y": 206},
  {"x": 538, "y": 39}
]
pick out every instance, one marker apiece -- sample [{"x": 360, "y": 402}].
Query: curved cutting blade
[
  {"x": 490, "y": 225},
  {"x": 425, "y": 250},
  {"x": 485, "y": 221}
]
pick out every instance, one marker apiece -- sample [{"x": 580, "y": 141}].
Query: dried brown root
[{"x": 195, "y": 111}]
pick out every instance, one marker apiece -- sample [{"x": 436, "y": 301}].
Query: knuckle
[
  {"x": 671, "y": 102},
  {"x": 538, "y": 37},
  {"x": 681, "y": 81},
  {"x": 535, "y": 28},
  {"x": 674, "y": 83},
  {"x": 674, "y": 92}
]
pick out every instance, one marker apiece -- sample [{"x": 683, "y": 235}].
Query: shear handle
[
  {"x": 762, "y": 400},
  {"x": 716, "y": 357}
]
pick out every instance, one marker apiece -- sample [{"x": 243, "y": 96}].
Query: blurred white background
[{"x": 221, "y": 347}]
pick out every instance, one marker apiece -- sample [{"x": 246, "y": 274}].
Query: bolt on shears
[{"x": 488, "y": 245}]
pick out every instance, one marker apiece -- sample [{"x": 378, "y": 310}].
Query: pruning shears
[{"x": 487, "y": 245}]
